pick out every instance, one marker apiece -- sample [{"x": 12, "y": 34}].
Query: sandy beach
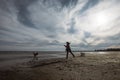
[{"x": 90, "y": 67}]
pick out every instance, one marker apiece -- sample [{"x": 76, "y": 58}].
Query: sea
[{"x": 12, "y": 57}]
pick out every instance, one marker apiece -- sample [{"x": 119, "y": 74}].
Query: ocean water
[
  {"x": 28, "y": 55},
  {"x": 12, "y": 57}
]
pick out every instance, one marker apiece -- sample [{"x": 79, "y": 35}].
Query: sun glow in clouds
[
  {"x": 96, "y": 21},
  {"x": 101, "y": 18}
]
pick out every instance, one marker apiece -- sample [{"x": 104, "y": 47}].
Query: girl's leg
[
  {"x": 67, "y": 55},
  {"x": 72, "y": 54}
]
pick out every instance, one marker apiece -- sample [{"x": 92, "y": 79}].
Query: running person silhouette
[{"x": 68, "y": 50}]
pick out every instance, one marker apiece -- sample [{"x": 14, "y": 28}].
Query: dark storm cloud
[
  {"x": 66, "y": 3},
  {"x": 63, "y": 3},
  {"x": 3, "y": 5},
  {"x": 72, "y": 30},
  {"x": 113, "y": 40},
  {"x": 108, "y": 42},
  {"x": 23, "y": 13},
  {"x": 89, "y": 4},
  {"x": 87, "y": 34},
  {"x": 2, "y": 43},
  {"x": 115, "y": 37},
  {"x": 21, "y": 6}
]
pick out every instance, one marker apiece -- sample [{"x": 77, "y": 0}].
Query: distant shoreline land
[
  {"x": 109, "y": 49},
  {"x": 99, "y": 50}
]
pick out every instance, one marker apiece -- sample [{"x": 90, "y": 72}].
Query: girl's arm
[{"x": 65, "y": 45}]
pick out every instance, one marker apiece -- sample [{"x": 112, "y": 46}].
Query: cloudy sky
[{"x": 48, "y": 24}]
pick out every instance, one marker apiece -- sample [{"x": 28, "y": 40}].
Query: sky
[{"x": 46, "y": 25}]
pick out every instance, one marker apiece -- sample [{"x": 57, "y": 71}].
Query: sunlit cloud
[{"x": 48, "y": 24}]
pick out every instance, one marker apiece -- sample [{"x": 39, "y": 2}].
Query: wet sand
[{"x": 90, "y": 67}]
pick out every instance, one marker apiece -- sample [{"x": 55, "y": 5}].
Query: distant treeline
[{"x": 109, "y": 49}]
